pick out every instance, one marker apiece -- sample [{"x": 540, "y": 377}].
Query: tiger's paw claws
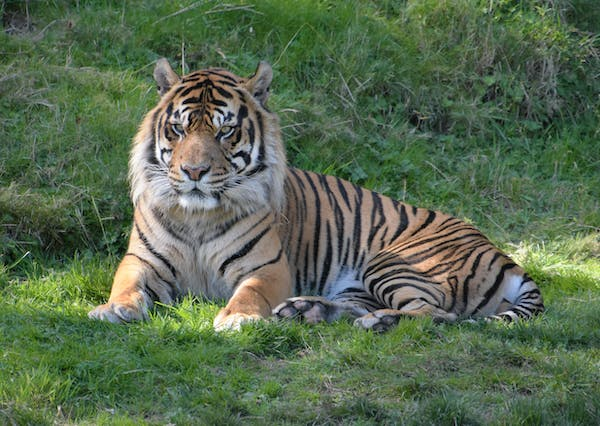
[
  {"x": 309, "y": 309},
  {"x": 233, "y": 321},
  {"x": 117, "y": 313},
  {"x": 377, "y": 321}
]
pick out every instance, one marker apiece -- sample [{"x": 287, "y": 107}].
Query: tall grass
[
  {"x": 457, "y": 97},
  {"x": 488, "y": 110}
]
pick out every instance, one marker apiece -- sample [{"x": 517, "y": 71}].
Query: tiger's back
[{"x": 218, "y": 213}]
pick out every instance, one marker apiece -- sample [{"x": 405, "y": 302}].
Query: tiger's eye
[
  {"x": 225, "y": 131},
  {"x": 178, "y": 128}
]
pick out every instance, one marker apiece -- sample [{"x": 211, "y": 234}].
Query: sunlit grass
[{"x": 59, "y": 365}]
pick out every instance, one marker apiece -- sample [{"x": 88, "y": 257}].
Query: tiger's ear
[
  {"x": 258, "y": 85},
  {"x": 164, "y": 75}
]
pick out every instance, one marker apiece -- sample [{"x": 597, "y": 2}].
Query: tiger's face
[
  {"x": 206, "y": 139},
  {"x": 213, "y": 145}
]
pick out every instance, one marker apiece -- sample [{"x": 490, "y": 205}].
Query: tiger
[{"x": 218, "y": 214}]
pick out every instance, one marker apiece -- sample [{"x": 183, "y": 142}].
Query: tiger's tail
[{"x": 522, "y": 300}]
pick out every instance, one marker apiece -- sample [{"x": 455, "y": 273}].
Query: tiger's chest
[
  {"x": 198, "y": 276},
  {"x": 212, "y": 257}
]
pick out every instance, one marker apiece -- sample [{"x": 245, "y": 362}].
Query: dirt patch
[{"x": 15, "y": 17}]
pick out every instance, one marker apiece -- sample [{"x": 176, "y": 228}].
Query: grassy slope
[{"x": 488, "y": 114}]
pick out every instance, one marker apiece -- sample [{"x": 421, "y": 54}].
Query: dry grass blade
[
  {"x": 179, "y": 12},
  {"x": 220, "y": 8}
]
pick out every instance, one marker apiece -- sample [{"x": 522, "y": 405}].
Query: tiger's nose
[{"x": 195, "y": 172}]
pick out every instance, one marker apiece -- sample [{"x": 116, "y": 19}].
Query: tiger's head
[{"x": 210, "y": 144}]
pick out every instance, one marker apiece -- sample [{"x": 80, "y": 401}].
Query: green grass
[
  {"x": 57, "y": 366},
  {"x": 486, "y": 110}
]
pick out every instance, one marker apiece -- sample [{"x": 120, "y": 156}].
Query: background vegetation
[{"x": 487, "y": 109}]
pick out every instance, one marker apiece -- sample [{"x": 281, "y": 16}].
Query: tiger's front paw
[
  {"x": 226, "y": 320},
  {"x": 310, "y": 309},
  {"x": 117, "y": 313}
]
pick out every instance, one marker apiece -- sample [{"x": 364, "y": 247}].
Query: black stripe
[
  {"x": 343, "y": 192},
  {"x": 453, "y": 284},
  {"x": 448, "y": 223},
  {"x": 151, "y": 147},
  {"x": 196, "y": 86},
  {"x": 361, "y": 261},
  {"x": 299, "y": 218},
  {"x": 305, "y": 270},
  {"x": 192, "y": 77},
  {"x": 521, "y": 311},
  {"x": 152, "y": 250},
  {"x": 223, "y": 92},
  {"x": 259, "y": 120},
  {"x": 242, "y": 113},
  {"x": 168, "y": 111},
  {"x": 224, "y": 228},
  {"x": 327, "y": 259},
  {"x": 357, "y": 225},
  {"x": 255, "y": 170},
  {"x": 167, "y": 225},
  {"x": 338, "y": 215},
  {"x": 407, "y": 301},
  {"x": 193, "y": 100},
  {"x": 346, "y": 252},
  {"x": 455, "y": 263},
  {"x": 535, "y": 293},
  {"x": 404, "y": 273},
  {"x": 226, "y": 83},
  {"x": 317, "y": 230},
  {"x": 218, "y": 102},
  {"x": 442, "y": 245},
  {"x": 413, "y": 258},
  {"x": 244, "y": 156},
  {"x": 430, "y": 218},
  {"x": 402, "y": 225},
  {"x": 494, "y": 288},
  {"x": 154, "y": 296},
  {"x": 251, "y": 133},
  {"x": 164, "y": 151},
  {"x": 261, "y": 149},
  {"x": 294, "y": 173},
  {"x": 235, "y": 139},
  {"x": 244, "y": 250},
  {"x": 496, "y": 256},
  {"x": 377, "y": 209},
  {"x": 221, "y": 73},
  {"x": 237, "y": 280},
  {"x": 465, "y": 284},
  {"x": 390, "y": 289}
]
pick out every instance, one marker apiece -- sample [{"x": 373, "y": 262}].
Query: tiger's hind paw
[
  {"x": 118, "y": 313},
  {"x": 310, "y": 309},
  {"x": 379, "y": 321}
]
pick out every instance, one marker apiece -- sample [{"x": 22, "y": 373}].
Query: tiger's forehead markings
[
  {"x": 217, "y": 75},
  {"x": 200, "y": 98}
]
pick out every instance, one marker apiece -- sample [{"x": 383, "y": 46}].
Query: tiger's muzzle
[{"x": 195, "y": 172}]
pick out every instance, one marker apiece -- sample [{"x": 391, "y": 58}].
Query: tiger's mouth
[
  {"x": 191, "y": 188},
  {"x": 197, "y": 192},
  {"x": 198, "y": 200}
]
